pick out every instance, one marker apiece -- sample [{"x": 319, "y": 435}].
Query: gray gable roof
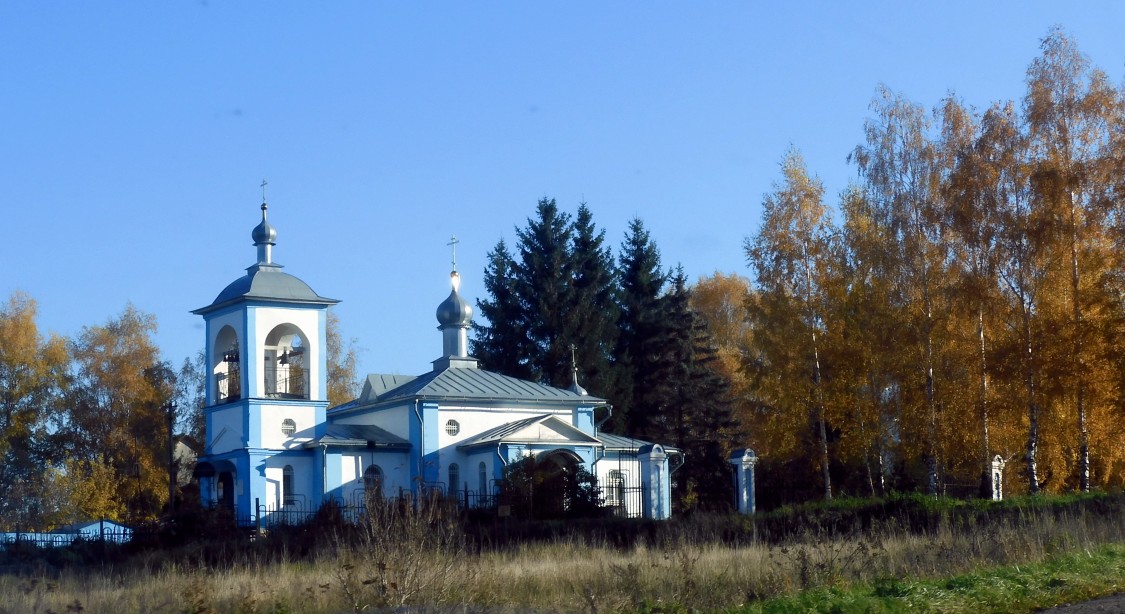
[
  {"x": 466, "y": 385},
  {"x": 378, "y": 384},
  {"x": 266, "y": 282},
  {"x": 620, "y": 443},
  {"x": 359, "y": 435}
]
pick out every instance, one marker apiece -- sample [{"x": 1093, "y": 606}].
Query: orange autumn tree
[
  {"x": 116, "y": 422},
  {"x": 791, "y": 256}
]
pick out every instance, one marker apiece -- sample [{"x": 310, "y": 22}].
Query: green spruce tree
[
  {"x": 544, "y": 277},
  {"x": 699, "y": 404},
  {"x": 641, "y": 283},
  {"x": 594, "y": 306},
  {"x": 502, "y": 344}
]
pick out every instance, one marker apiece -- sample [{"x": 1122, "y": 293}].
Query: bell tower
[{"x": 266, "y": 385}]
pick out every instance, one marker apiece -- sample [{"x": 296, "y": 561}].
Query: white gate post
[
  {"x": 657, "y": 501},
  {"x": 744, "y": 461}
]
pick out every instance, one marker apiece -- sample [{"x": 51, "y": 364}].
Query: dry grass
[{"x": 381, "y": 572}]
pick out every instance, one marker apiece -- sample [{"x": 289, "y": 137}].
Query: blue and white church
[{"x": 274, "y": 446}]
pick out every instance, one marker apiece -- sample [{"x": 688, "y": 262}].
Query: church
[{"x": 274, "y": 447}]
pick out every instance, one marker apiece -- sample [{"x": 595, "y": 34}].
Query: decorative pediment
[{"x": 547, "y": 430}]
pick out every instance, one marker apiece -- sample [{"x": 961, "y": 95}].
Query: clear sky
[{"x": 134, "y": 135}]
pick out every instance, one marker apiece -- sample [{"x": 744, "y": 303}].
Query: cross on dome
[{"x": 453, "y": 243}]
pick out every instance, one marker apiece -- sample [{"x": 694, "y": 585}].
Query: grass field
[{"x": 1025, "y": 555}]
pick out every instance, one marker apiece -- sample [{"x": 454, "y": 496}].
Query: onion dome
[
  {"x": 455, "y": 311},
  {"x": 264, "y": 233},
  {"x": 264, "y": 281}
]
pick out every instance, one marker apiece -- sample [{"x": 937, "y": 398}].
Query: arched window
[
  {"x": 288, "y": 427},
  {"x": 452, "y": 428},
  {"x": 482, "y": 479},
  {"x": 454, "y": 478},
  {"x": 373, "y": 479},
  {"x": 287, "y": 493},
  {"x": 615, "y": 489}
]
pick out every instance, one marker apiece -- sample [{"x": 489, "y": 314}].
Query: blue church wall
[
  {"x": 242, "y": 483},
  {"x": 319, "y": 467},
  {"x": 256, "y": 477},
  {"x": 399, "y": 420},
  {"x": 251, "y": 365},
  {"x": 226, "y": 427},
  {"x": 394, "y": 465},
  {"x": 333, "y": 473},
  {"x": 426, "y": 461},
  {"x": 252, "y": 424},
  {"x": 584, "y": 419}
]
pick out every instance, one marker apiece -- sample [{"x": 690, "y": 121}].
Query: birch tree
[
  {"x": 899, "y": 167},
  {"x": 1070, "y": 109},
  {"x": 790, "y": 257},
  {"x": 33, "y": 377},
  {"x": 978, "y": 182}
]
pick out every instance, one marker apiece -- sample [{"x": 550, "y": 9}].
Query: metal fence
[
  {"x": 114, "y": 535},
  {"x": 623, "y": 502}
]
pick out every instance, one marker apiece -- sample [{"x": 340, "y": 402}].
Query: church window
[
  {"x": 615, "y": 489},
  {"x": 454, "y": 477},
  {"x": 287, "y": 485},
  {"x": 373, "y": 479},
  {"x": 452, "y": 428},
  {"x": 288, "y": 427},
  {"x": 482, "y": 478}
]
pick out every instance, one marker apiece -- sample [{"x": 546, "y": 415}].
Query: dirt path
[{"x": 1113, "y": 603}]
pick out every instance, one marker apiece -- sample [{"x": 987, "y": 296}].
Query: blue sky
[{"x": 134, "y": 135}]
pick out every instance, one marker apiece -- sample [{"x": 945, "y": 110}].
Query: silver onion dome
[
  {"x": 455, "y": 311},
  {"x": 264, "y": 233}
]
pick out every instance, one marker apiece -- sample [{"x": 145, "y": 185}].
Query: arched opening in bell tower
[
  {"x": 286, "y": 363},
  {"x": 225, "y": 367}
]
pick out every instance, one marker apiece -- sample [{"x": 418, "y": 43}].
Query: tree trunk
[
  {"x": 1080, "y": 363},
  {"x": 931, "y": 402},
  {"x": 1032, "y": 410},
  {"x": 986, "y": 457},
  {"x": 878, "y": 405},
  {"x": 866, "y": 453},
  {"x": 821, "y": 425}
]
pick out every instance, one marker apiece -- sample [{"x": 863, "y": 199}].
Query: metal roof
[
  {"x": 359, "y": 435},
  {"x": 628, "y": 444},
  {"x": 266, "y": 282},
  {"x": 378, "y": 384},
  {"x": 478, "y": 384}
]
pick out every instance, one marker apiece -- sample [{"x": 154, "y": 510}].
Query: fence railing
[
  {"x": 286, "y": 382},
  {"x": 63, "y": 539},
  {"x": 624, "y": 502},
  {"x": 228, "y": 387}
]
